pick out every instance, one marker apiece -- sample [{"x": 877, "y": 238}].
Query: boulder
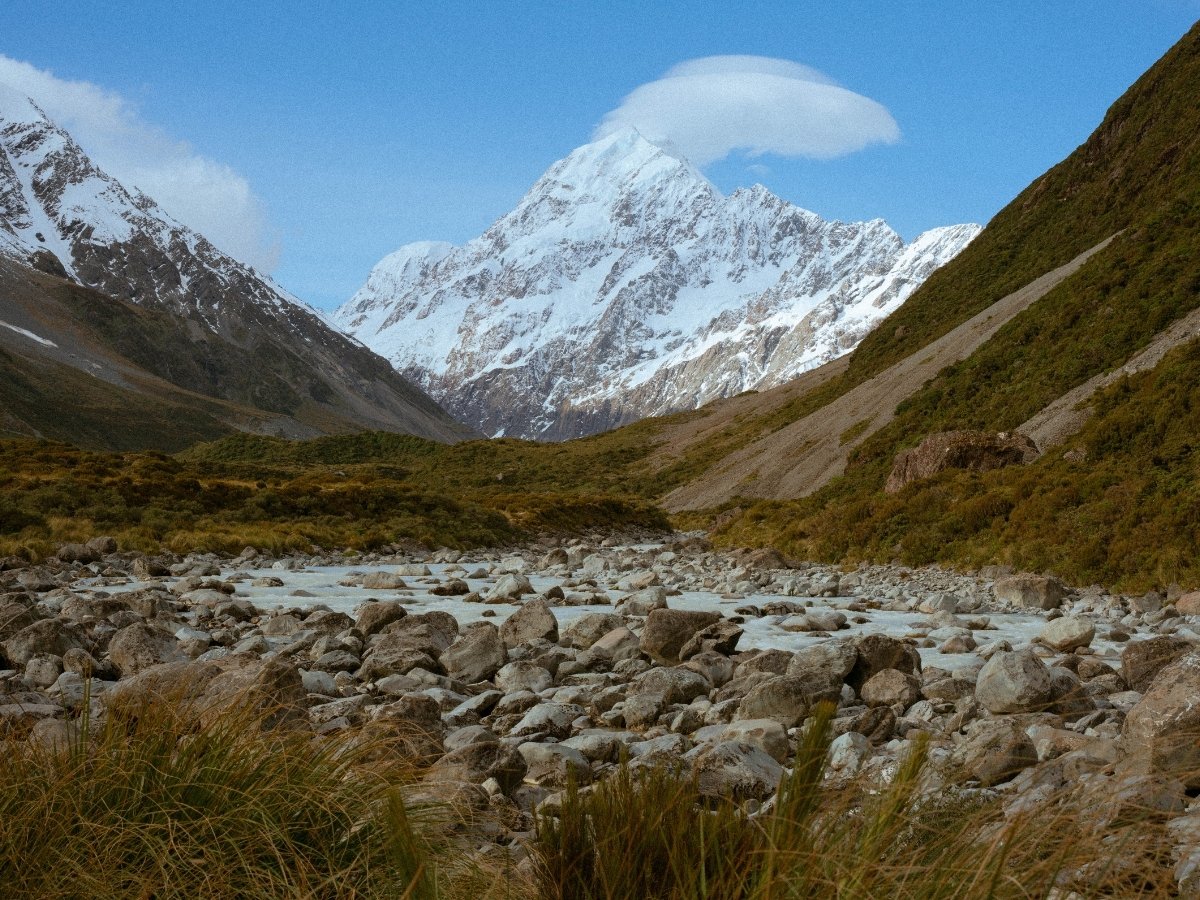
[
  {"x": 1031, "y": 591},
  {"x": 554, "y": 765},
  {"x": 44, "y": 637},
  {"x": 374, "y": 617},
  {"x": 476, "y": 655},
  {"x": 138, "y": 647},
  {"x": 891, "y": 687},
  {"x": 383, "y": 581},
  {"x": 766, "y": 734},
  {"x": 522, "y": 675},
  {"x": 668, "y": 630},
  {"x": 1163, "y": 728},
  {"x": 588, "y": 629},
  {"x": 533, "y": 621},
  {"x": 77, "y": 553},
  {"x": 994, "y": 751},
  {"x": 644, "y": 602},
  {"x": 736, "y": 770},
  {"x": 475, "y": 763},
  {"x": 978, "y": 451},
  {"x": 1141, "y": 661},
  {"x": 510, "y": 587},
  {"x": 876, "y": 652},
  {"x": 719, "y": 637},
  {"x": 1067, "y": 633},
  {"x": 836, "y": 658},
  {"x": 1014, "y": 682},
  {"x": 788, "y": 699},
  {"x": 674, "y": 685},
  {"x": 551, "y": 719}
]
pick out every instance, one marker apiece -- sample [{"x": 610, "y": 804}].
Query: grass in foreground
[
  {"x": 161, "y": 806},
  {"x": 649, "y": 834}
]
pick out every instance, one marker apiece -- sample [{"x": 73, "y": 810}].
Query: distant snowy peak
[
  {"x": 54, "y": 198},
  {"x": 623, "y": 284}
]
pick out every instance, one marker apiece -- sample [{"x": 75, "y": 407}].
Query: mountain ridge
[{"x": 248, "y": 342}]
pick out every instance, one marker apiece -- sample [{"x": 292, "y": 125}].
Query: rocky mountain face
[
  {"x": 234, "y": 334},
  {"x": 624, "y": 285}
]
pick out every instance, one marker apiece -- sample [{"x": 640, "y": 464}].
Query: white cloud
[
  {"x": 713, "y": 106},
  {"x": 203, "y": 194}
]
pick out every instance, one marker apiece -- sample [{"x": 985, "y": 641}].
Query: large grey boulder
[
  {"x": 1067, "y": 633},
  {"x": 1014, "y": 683},
  {"x": 1163, "y": 728},
  {"x": 374, "y": 617},
  {"x": 510, "y": 587},
  {"x": 1032, "y": 591},
  {"x": 788, "y": 699},
  {"x": 139, "y": 646},
  {"x": 668, "y": 630},
  {"x": 1141, "y": 661},
  {"x": 44, "y": 637},
  {"x": 995, "y": 750},
  {"x": 476, "y": 762},
  {"x": 766, "y": 734},
  {"x": 477, "y": 654},
  {"x": 674, "y": 685},
  {"x": 523, "y": 675},
  {"x": 835, "y": 657},
  {"x": 551, "y": 719},
  {"x": 891, "y": 687},
  {"x": 736, "y": 770},
  {"x": 553, "y": 765},
  {"x": 588, "y": 629},
  {"x": 383, "y": 581},
  {"x": 719, "y": 637},
  {"x": 533, "y": 621},
  {"x": 877, "y": 652}
]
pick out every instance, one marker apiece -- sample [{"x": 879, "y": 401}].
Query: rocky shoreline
[{"x": 599, "y": 663}]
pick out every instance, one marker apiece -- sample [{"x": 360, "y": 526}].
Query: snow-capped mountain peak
[{"x": 624, "y": 284}]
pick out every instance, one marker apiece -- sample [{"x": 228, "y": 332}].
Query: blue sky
[{"x": 339, "y": 131}]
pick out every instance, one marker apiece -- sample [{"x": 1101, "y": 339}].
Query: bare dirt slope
[{"x": 806, "y": 454}]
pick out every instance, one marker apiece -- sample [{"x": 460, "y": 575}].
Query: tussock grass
[
  {"x": 158, "y": 805},
  {"x": 648, "y": 833}
]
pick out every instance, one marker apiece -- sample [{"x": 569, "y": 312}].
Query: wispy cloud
[
  {"x": 713, "y": 106},
  {"x": 206, "y": 195}
]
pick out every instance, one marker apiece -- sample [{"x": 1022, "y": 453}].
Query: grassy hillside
[{"x": 1126, "y": 514}]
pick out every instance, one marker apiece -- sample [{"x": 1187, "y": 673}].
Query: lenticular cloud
[{"x": 712, "y": 106}]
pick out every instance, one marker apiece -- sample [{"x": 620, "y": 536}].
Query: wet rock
[
  {"x": 644, "y": 602},
  {"x": 454, "y": 587}
]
